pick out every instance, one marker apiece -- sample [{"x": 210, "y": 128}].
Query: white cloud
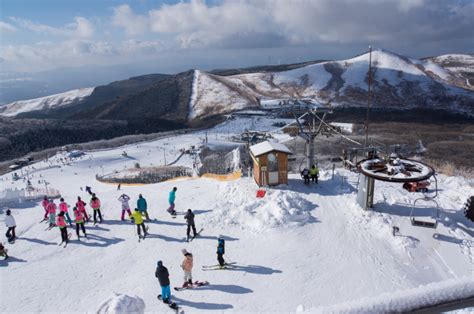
[
  {"x": 81, "y": 27},
  {"x": 132, "y": 23},
  {"x": 7, "y": 28}
]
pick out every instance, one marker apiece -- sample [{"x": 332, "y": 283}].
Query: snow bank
[
  {"x": 122, "y": 303},
  {"x": 406, "y": 300},
  {"x": 278, "y": 208}
]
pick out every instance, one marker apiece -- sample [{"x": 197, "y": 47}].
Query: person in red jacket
[
  {"x": 81, "y": 205},
  {"x": 61, "y": 223}
]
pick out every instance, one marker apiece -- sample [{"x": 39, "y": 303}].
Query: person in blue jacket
[
  {"x": 171, "y": 200},
  {"x": 220, "y": 251},
  {"x": 164, "y": 279},
  {"x": 142, "y": 206}
]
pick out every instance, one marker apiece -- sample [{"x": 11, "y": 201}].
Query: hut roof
[{"x": 268, "y": 146}]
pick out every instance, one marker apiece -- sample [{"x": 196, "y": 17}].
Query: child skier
[
  {"x": 190, "y": 221},
  {"x": 63, "y": 209},
  {"x": 11, "y": 225},
  {"x": 45, "y": 203},
  {"x": 95, "y": 204},
  {"x": 187, "y": 266},
  {"x": 81, "y": 205},
  {"x": 220, "y": 251},
  {"x": 142, "y": 206},
  {"x": 61, "y": 223},
  {"x": 124, "y": 198},
  {"x": 79, "y": 218},
  {"x": 52, "y": 212},
  {"x": 171, "y": 200},
  {"x": 164, "y": 279},
  {"x": 138, "y": 219},
  {"x": 3, "y": 251}
]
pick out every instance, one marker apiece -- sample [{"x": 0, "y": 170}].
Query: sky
[{"x": 171, "y": 36}]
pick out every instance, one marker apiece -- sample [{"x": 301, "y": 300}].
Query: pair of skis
[
  {"x": 196, "y": 235},
  {"x": 65, "y": 243},
  {"x": 219, "y": 267},
  {"x": 142, "y": 237}
]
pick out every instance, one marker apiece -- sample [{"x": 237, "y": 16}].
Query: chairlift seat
[{"x": 423, "y": 223}]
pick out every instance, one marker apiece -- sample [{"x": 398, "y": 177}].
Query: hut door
[{"x": 272, "y": 169}]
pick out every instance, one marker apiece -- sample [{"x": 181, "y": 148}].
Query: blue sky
[{"x": 37, "y": 35}]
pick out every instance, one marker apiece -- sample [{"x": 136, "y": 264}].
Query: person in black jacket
[
  {"x": 190, "y": 221},
  {"x": 164, "y": 278}
]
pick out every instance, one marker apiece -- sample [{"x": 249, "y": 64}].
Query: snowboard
[
  {"x": 171, "y": 304},
  {"x": 194, "y": 285}
]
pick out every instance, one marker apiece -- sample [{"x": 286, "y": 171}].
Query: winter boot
[{"x": 190, "y": 282}]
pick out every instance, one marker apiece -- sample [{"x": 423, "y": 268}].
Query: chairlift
[{"x": 425, "y": 222}]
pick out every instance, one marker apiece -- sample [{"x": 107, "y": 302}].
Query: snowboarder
[
  {"x": 81, "y": 205},
  {"x": 171, "y": 200},
  {"x": 79, "y": 218},
  {"x": 45, "y": 203},
  {"x": 138, "y": 219},
  {"x": 187, "y": 266},
  {"x": 88, "y": 190},
  {"x": 220, "y": 251},
  {"x": 190, "y": 222},
  {"x": 124, "y": 198},
  {"x": 142, "y": 206},
  {"x": 314, "y": 172},
  {"x": 11, "y": 225},
  {"x": 52, "y": 212},
  {"x": 61, "y": 223},
  {"x": 305, "y": 175},
  {"x": 3, "y": 251},
  {"x": 164, "y": 278},
  {"x": 63, "y": 209},
  {"x": 95, "y": 204}
]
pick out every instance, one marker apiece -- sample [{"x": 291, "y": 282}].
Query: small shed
[{"x": 270, "y": 163}]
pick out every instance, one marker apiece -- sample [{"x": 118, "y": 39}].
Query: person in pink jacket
[
  {"x": 187, "y": 266},
  {"x": 81, "y": 205},
  {"x": 79, "y": 219},
  {"x": 52, "y": 212},
  {"x": 63, "y": 209},
  {"x": 45, "y": 203},
  {"x": 95, "y": 204},
  {"x": 61, "y": 223}
]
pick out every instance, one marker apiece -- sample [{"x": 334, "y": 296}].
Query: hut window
[{"x": 272, "y": 162}]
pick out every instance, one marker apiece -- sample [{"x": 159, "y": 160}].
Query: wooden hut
[{"x": 270, "y": 163}]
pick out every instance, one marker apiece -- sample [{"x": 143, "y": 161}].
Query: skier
[
  {"x": 88, "y": 190},
  {"x": 171, "y": 200},
  {"x": 164, "y": 278},
  {"x": 63, "y": 209},
  {"x": 124, "y": 198},
  {"x": 3, "y": 251},
  {"x": 61, "y": 223},
  {"x": 305, "y": 175},
  {"x": 79, "y": 218},
  {"x": 118, "y": 186},
  {"x": 220, "y": 251},
  {"x": 190, "y": 221},
  {"x": 95, "y": 204},
  {"x": 187, "y": 266},
  {"x": 314, "y": 172},
  {"x": 52, "y": 212},
  {"x": 81, "y": 205},
  {"x": 138, "y": 219},
  {"x": 142, "y": 206},
  {"x": 45, "y": 203},
  {"x": 11, "y": 225}
]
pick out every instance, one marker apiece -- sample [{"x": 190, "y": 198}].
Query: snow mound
[
  {"x": 406, "y": 300},
  {"x": 122, "y": 303},
  {"x": 278, "y": 208}
]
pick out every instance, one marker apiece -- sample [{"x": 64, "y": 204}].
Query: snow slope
[
  {"x": 44, "y": 103},
  {"x": 300, "y": 245}
]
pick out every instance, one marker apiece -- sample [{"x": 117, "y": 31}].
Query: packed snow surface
[
  {"x": 299, "y": 245},
  {"x": 43, "y": 103}
]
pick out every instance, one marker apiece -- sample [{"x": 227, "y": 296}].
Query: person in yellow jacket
[
  {"x": 314, "y": 173},
  {"x": 137, "y": 218}
]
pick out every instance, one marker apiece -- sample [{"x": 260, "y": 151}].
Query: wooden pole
[{"x": 368, "y": 99}]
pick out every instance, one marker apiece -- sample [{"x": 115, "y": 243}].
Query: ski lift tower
[{"x": 316, "y": 113}]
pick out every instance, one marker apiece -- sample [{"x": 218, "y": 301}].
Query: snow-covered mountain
[
  {"x": 398, "y": 82},
  {"x": 44, "y": 103},
  {"x": 461, "y": 65}
]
